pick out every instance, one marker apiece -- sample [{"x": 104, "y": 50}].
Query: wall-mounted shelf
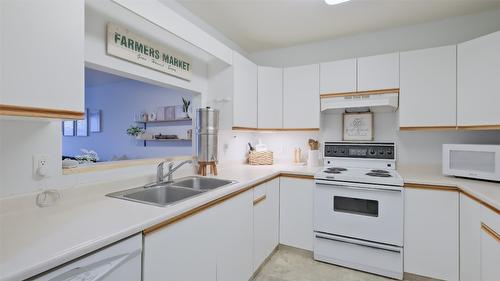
[
  {"x": 145, "y": 123},
  {"x": 164, "y": 121}
]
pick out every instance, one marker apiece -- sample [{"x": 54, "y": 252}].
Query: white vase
[{"x": 313, "y": 158}]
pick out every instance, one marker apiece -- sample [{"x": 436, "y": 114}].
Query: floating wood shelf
[{"x": 164, "y": 121}]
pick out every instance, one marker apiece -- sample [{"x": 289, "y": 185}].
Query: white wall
[
  {"x": 118, "y": 103},
  {"x": 99, "y": 12},
  {"x": 432, "y": 34},
  {"x": 21, "y": 139},
  {"x": 413, "y": 148}
]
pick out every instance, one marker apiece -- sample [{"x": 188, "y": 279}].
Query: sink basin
[
  {"x": 160, "y": 195},
  {"x": 201, "y": 183},
  {"x": 170, "y": 193}
]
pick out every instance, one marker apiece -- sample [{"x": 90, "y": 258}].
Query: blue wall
[{"x": 119, "y": 102}]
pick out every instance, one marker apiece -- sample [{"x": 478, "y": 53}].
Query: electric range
[{"x": 358, "y": 208}]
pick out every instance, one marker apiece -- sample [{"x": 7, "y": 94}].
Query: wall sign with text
[{"x": 132, "y": 47}]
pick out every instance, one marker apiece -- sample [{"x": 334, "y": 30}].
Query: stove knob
[
  {"x": 342, "y": 151},
  {"x": 372, "y": 151},
  {"x": 381, "y": 152},
  {"x": 389, "y": 152}
]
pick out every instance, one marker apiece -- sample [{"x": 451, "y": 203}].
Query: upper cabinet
[
  {"x": 301, "y": 97},
  {"x": 270, "y": 97},
  {"x": 378, "y": 72},
  {"x": 338, "y": 77},
  {"x": 428, "y": 88},
  {"x": 43, "y": 63},
  {"x": 478, "y": 83},
  {"x": 244, "y": 92}
]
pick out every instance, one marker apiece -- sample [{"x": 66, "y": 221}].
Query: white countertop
[{"x": 33, "y": 240}]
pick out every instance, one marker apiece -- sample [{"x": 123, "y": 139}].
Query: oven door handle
[
  {"x": 359, "y": 243},
  {"x": 357, "y": 187}
]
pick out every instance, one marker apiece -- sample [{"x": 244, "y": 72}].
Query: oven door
[{"x": 361, "y": 211}]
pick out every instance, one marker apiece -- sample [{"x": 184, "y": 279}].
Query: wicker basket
[{"x": 260, "y": 158}]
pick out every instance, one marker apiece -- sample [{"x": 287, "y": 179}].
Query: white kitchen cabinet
[
  {"x": 270, "y": 97},
  {"x": 470, "y": 237},
  {"x": 244, "y": 92},
  {"x": 478, "y": 68},
  {"x": 234, "y": 228},
  {"x": 490, "y": 245},
  {"x": 301, "y": 97},
  {"x": 431, "y": 233},
  {"x": 43, "y": 62},
  {"x": 184, "y": 250},
  {"x": 296, "y": 212},
  {"x": 428, "y": 88},
  {"x": 338, "y": 76},
  {"x": 265, "y": 221},
  {"x": 378, "y": 72}
]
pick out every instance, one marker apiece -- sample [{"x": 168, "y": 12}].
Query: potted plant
[
  {"x": 135, "y": 131},
  {"x": 185, "y": 107}
]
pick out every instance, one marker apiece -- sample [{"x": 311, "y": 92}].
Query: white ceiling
[{"x": 258, "y": 25}]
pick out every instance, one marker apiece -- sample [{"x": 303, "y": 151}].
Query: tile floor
[{"x": 290, "y": 264}]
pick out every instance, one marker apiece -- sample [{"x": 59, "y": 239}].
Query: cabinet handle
[
  {"x": 258, "y": 200},
  {"x": 488, "y": 230}
]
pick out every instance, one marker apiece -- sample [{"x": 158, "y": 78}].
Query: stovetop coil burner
[
  {"x": 380, "y": 175},
  {"x": 335, "y": 170},
  {"x": 379, "y": 171}
]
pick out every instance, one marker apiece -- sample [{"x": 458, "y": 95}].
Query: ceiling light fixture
[{"x": 335, "y": 2}]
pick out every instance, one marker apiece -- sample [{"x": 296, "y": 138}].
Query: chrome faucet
[{"x": 160, "y": 176}]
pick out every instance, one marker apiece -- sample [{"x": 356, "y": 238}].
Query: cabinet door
[
  {"x": 170, "y": 253},
  {"x": 478, "y": 81},
  {"x": 234, "y": 238},
  {"x": 490, "y": 245},
  {"x": 296, "y": 212},
  {"x": 43, "y": 62},
  {"x": 378, "y": 72},
  {"x": 431, "y": 232},
  {"x": 470, "y": 234},
  {"x": 338, "y": 76},
  {"x": 270, "y": 97},
  {"x": 301, "y": 97},
  {"x": 244, "y": 92},
  {"x": 428, "y": 88},
  {"x": 265, "y": 221}
]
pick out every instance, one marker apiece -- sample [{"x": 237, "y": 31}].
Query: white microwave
[{"x": 472, "y": 161}]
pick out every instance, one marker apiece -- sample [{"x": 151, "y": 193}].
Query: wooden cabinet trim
[
  {"x": 25, "y": 111},
  {"x": 434, "y": 187},
  {"x": 361, "y": 93},
  {"x": 428, "y": 128},
  {"x": 296, "y": 176},
  {"x": 488, "y": 230},
  {"x": 260, "y": 199},
  {"x": 479, "y": 127},
  {"x": 487, "y": 205},
  {"x": 451, "y": 189},
  {"x": 274, "y": 129}
]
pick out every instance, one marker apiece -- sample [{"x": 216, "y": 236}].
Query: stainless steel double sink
[{"x": 163, "y": 194}]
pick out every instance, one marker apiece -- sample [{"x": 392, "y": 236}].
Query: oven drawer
[
  {"x": 366, "y": 213},
  {"x": 366, "y": 256}
]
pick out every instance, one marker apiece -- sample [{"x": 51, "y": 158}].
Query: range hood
[{"x": 359, "y": 102}]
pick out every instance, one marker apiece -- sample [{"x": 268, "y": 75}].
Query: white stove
[{"x": 358, "y": 208}]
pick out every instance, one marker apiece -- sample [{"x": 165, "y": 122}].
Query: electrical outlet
[{"x": 40, "y": 165}]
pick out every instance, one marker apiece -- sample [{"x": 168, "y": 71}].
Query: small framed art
[{"x": 358, "y": 126}]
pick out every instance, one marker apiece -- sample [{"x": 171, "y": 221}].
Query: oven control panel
[{"x": 360, "y": 150}]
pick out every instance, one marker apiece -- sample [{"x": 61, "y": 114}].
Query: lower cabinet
[
  {"x": 265, "y": 221},
  {"x": 479, "y": 241},
  {"x": 470, "y": 237},
  {"x": 431, "y": 233},
  {"x": 296, "y": 212},
  {"x": 184, "y": 250},
  {"x": 234, "y": 238}
]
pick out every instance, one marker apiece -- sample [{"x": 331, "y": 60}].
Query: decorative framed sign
[
  {"x": 68, "y": 128},
  {"x": 95, "y": 120},
  {"x": 82, "y": 126},
  {"x": 126, "y": 45},
  {"x": 358, "y": 126}
]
